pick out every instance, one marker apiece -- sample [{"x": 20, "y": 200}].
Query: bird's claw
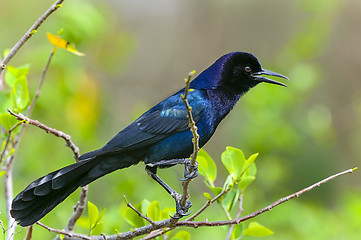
[
  {"x": 190, "y": 171},
  {"x": 181, "y": 210}
]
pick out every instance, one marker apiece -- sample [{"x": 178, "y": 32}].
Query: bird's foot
[
  {"x": 190, "y": 171},
  {"x": 181, "y": 210}
]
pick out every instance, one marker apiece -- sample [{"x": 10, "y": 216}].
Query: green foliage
[
  {"x": 93, "y": 222},
  {"x": 256, "y": 230},
  {"x": 181, "y": 235}
]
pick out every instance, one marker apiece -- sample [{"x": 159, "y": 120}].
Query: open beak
[{"x": 258, "y": 77}]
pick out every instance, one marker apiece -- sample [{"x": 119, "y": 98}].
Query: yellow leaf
[{"x": 61, "y": 43}]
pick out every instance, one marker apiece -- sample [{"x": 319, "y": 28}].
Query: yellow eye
[{"x": 247, "y": 69}]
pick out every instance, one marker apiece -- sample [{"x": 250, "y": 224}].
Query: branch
[
  {"x": 37, "y": 94},
  {"x": 29, "y": 34},
  {"x": 65, "y": 233},
  {"x": 195, "y": 140},
  {"x": 266, "y": 209},
  {"x": 47, "y": 129},
  {"x": 139, "y": 213}
]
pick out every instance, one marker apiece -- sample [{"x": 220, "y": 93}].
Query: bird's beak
[{"x": 257, "y": 76}]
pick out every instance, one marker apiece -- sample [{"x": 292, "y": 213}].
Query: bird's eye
[{"x": 247, "y": 69}]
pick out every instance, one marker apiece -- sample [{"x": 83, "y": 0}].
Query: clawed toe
[
  {"x": 190, "y": 171},
  {"x": 181, "y": 210}
]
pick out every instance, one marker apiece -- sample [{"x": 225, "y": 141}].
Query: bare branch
[
  {"x": 65, "y": 233},
  {"x": 37, "y": 94},
  {"x": 29, "y": 34},
  {"x": 140, "y": 214},
  {"x": 47, "y": 129}
]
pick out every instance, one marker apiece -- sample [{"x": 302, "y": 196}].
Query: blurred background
[{"x": 139, "y": 52}]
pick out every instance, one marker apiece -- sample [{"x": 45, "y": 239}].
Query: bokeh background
[{"x": 138, "y": 52}]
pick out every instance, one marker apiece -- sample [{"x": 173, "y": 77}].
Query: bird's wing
[{"x": 161, "y": 121}]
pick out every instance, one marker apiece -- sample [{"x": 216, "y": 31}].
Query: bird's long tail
[{"x": 45, "y": 193}]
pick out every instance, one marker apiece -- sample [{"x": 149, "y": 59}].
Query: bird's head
[{"x": 242, "y": 71}]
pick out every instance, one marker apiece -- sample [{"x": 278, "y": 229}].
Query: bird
[{"x": 160, "y": 137}]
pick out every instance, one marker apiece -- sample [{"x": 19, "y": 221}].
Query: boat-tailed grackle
[{"x": 160, "y": 137}]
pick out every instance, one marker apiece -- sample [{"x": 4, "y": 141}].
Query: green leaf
[
  {"x": 132, "y": 217},
  {"x": 230, "y": 199},
  {"x": 208, "y": 196},
  {"x": 182, "y": 235},
  {"x": 154, "y": 212},
  {"x": 7, "y": 121},
  {"x": 206, "y": 166},
  {"x": 257, "y": 230},
  {"x": 2, "y": 173},
  {"x": 20, "y": 93},
  {"x": 248, "y": 163},
  {"x": 93, "y": 214},
  {"x": 237, "y": 231},
  {"x": 13, "y": 73},
  {"x": 245, "y": 181},
  {"x": 233, "y": 159}
]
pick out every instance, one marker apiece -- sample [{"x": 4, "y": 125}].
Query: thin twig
[
  {"x": 29, "y": 34},
  {"x": 38, "y": 90},
  {"x": 240, "y": 210},
  {"x": 208, "y": 203},
  {"x": 140, "y": 214},
  {"x": 195, "y": 140},
  {"x": 47, "y": 129},
  {"x": 2, "y": 155},
  {"x": 65, "y": 233}
]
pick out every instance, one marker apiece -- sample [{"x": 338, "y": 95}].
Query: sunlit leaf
[
  {"x": 233, "y": 159},
  {"x": 237, "y": 231},
  {"x": 208, "y": 196},
  {"x": 7, "y": 121},
  {"x": 230, "y": 199},
  {"x": 2, "y": 173},
  {"x": 154, "y": 211},
  {"x": 132, "y": 217},
  {"x": 20, "y": 93},
  {"x": 93, "y": 214},
  {"x": 182, "y": 235},
  {"x": 61, "y": 43},
  {"x": 13, "y": 73},
  {"x": 248, "y": 164},
  {"x": 257, "y": 230},
  {"x": 206, "y": 166}
]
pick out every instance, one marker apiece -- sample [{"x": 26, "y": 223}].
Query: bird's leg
[
  {"x": 190, "y": 171},
  {"x": 181, "y": 210}
]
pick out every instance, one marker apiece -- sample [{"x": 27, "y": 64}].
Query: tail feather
[{"x": 45, "y": 193}]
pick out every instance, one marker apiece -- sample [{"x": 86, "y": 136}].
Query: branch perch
[{"x": 47, "y": 129}]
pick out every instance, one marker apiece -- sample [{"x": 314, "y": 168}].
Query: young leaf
[
  {"x": 182, "y": 235},
  {"x": 233, "y": 159},
  {"x": 7, "y": 121},
  {"x": 154, "y": 211},
  {"x": 237, "y": 231},
  {"x": 230, "y": 199},
  {"x": 132, "y": 217},
  {"x": 93, "y": 214},
  {"x": 208, "y": 196},
  {"x": 2, "y": 173},
  {"x": 20, "y": 93},
  {"x": 206, "y": 166},
  {"x": 248, "y": 163},
  {"x": 257, "y": 230},
  {"x": 13, "y": 73}
]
